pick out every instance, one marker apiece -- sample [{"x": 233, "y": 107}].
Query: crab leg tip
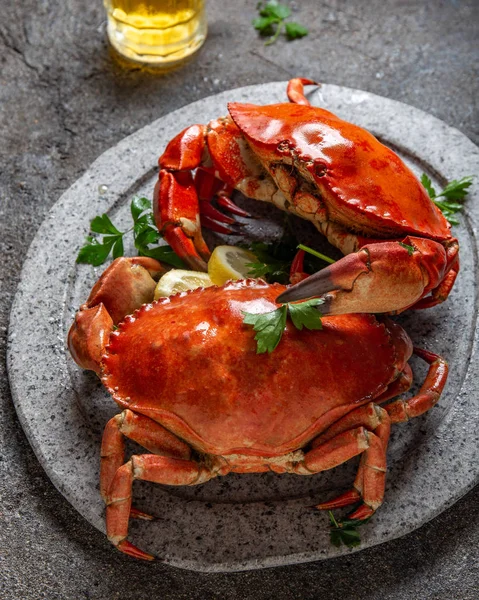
[
  {"x": 128, "y": 548},
  {"x": 362, "y": 513},
  {"x": 345, "y": 499},
  {"x": 230, "y": 206},
  {"x": 139, "y": 514}
]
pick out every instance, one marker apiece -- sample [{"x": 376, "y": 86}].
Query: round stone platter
[{"x": 257, "y": 520}]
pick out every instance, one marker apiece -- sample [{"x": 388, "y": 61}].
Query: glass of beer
[{"x": 158, "y": 32}]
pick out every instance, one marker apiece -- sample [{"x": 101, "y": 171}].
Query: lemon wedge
[
  {"x": 229, "y": 262},
  {"x": 180, "y": 280}
]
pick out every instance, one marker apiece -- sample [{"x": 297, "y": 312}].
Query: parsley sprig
[
  {"x": 270, "y": 326},
  {"x": 272, "y": 21},
  {"x": 345, "y": 531},
  {"x": 453, "y": 196},
  {"x": 275, "y": 258},
  {"x": 97, "y": 250}
]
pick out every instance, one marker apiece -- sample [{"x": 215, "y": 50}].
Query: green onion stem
[{"x": 315, "y": 253}]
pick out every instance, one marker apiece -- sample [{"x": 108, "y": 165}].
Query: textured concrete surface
[{"x": 64, "y": 100}]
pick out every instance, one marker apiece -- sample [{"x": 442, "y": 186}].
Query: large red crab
[
  {"x": 196, "y": 395},
  {"x": 305, "y": 160}
]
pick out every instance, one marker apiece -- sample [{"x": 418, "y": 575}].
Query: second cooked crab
[{"x": 305, "y": 160}]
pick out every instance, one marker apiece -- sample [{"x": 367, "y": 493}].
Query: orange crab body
[
  {"x": 307, "y": 161},
  {"x": 200, "y": 375},
  {"x": 203, "y": 403}
]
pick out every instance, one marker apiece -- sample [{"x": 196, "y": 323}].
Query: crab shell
[
  {"x": 189, "y": 363},
  {"x": 365, "y": 185}
]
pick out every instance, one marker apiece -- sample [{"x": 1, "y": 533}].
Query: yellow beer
[{"x": 158, "y": 32}]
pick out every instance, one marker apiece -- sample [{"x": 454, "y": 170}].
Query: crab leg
[
  {"x": 370, "y": 480},
  {"x": 180, "y": 199},
  {"x": 295, "y": 90},
  {"x": 147, "y": 467},
  {"x": 176, "y": 203},
  {"x": 208, "y": 186},
  {"x": 177, "y": 216},
  {"x": 430, "y": 392},
  {"x": 400, "y": 411},
  {"x": 142, "y": 430},
  {"x": 225, "y": 202},
  {"x": 381, "y": 277}
]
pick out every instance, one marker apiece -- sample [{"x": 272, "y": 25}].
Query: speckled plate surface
[{"x": 244, "y": 521}]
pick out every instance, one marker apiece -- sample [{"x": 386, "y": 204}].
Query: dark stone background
[{"x": 63, "y": 101}]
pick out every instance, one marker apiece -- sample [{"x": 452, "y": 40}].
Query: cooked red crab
[
  {"x": 198, "y": 398},
  {"x": 307, "y": 161}
]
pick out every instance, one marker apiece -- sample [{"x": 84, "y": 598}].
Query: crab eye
[
  {"x": 284, "y": 147},
  {"x": 320, "y": 170}
]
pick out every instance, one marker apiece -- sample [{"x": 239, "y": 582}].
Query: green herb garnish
[
  {"x": 345, "y": 531},
  {"x": 316, "y": 253},
  {"x": 275, "y": 258},
  {"x": 271, "y": 22},
  {"x": 274, "y": 261},
  {"x": 410, "y": 249},
  {"x": 453, "y": 196},
  {"x": 96, "y": 251},
  {"x": 270, "y": 326},
  {"x": 304, "y": 314}
]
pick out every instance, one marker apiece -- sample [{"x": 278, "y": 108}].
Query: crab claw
[
  {"x": 380, "y": 278},
  {"x": 122, "y": 288},
  {"x": 89, "y": 335}
]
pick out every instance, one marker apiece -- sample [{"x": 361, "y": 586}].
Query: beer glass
[{"x": 158, "y": 32}]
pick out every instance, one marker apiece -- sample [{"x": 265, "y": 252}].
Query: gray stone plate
[{"x": 244, "y": 521}]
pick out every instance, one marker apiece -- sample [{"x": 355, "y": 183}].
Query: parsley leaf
[
  {"x": 139, "y": 205},
  {"x": 410, "y": 249},
  {"x": 303, "y": 314},
  {"x": 165, "y": 254},
  {"x": 95, "y": 253},
  {"x": 97, "y": 250},
  {"x": 274, "y": 9},
  {"x": 102, "y": 224},
  {"x": 270, "y": 326},
  {"x": 450, "y": 199},
  {"x": 295, "y": 31},
  {"x": 274, "y": 261},
  {"x": 275, "y": 258},
  {"x": 265, "y": 25},
  {"x": 427, "y": 183},
  {"x": 345, "y": 531},
  {"x": 271, "y": 22}
]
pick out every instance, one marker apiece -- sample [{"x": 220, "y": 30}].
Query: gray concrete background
[{"x": 64, "y": 100}]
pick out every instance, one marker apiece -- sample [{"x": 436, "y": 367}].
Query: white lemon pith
[
  {"x": 230, "y": 262},
  {"x": 180, "y": 280}
]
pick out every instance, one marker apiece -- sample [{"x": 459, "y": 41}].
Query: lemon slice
[
  {"x": 229, "y": 262},
  {"x": 179, "y": 280}
]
